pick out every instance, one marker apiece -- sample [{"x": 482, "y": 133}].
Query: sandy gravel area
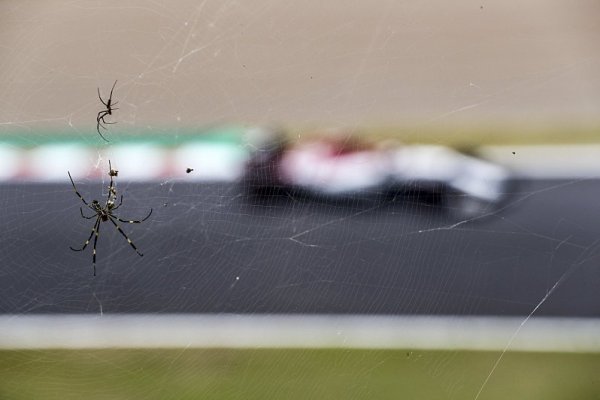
[{"x": 312, "y": 62}]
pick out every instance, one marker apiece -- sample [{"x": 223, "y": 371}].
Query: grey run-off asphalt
[{"x": 208, "y": 249}]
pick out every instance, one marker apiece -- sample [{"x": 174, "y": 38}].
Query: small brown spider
[{"x": 108, "y": 111}]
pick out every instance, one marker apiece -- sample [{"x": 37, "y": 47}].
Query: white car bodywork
[
  {"x": 318, "y": 167},
  {"x": 469, "y": 175},
  {"x": 340, "y": 167}
]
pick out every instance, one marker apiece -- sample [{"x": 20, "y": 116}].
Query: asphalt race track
[{"x": 209, "y": 248}]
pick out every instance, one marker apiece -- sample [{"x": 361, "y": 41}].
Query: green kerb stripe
[{"x": 163, "y": 137}]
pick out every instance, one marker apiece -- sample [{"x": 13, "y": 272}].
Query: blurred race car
[{"x": 343, "y": 167}]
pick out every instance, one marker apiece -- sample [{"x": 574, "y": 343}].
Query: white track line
[{"x": 294, "y": 331}]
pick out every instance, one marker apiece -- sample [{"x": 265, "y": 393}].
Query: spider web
[{"x": 196, "y": 78}]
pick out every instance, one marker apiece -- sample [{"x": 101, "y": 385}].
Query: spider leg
[
  {"x": 101, "y": 98},
  {"x": 94, "y": 230},
  {"x": 95, "y": 242},
  {"x": 104, "y": 121},
  {"x": 133, "y": 221},
  {"x": 105, "y": 114},
  {"x": 76, "y": 191},
  {"x": 120, "y": 203},
  {"x": 124, "y": 235},
  {"x": 98, "y": 125},
  {"x": 101, "y": 115},
  {"x": 111, "y": 91},
  {"x": 102, "y": 136},
  {"x": 100, "y": 118},
  {"x": 85, "y": 216}
]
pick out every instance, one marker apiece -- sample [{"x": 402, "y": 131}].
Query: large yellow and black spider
[
  {"x": 104, "y": 213},
  {"x": 108, "y": 111}
]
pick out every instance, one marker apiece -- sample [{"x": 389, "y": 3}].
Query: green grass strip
[{"x": 294, "y": 374}]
